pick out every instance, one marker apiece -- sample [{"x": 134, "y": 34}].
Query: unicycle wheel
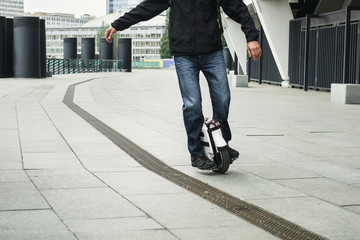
[{"x": 222, "y": 160}]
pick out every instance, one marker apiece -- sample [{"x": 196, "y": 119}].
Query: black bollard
[
  {"x": 42, "y": 48},
  {"x": 26, "y": 47},
  {"x": 106, "y": 49},
  {"x": 70, "y": 48},
  {"x": 2, "y": 48},
  {"x": 88, "y": 48},
  {"x": 9, "y": 47},
  {"x": 124, "y": 53}
]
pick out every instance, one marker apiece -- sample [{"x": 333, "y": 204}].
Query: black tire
[{"x": 223, "y": 159}]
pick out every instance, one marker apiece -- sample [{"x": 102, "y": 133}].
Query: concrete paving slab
[
  {"x": 36, "y": 135},
  {"x": 10, "y": 165},
  {"x": 241, "y": 184},
  {"x": 90, "y": 203},
  {"x": 114, "y": 228},
  {"x": 331, "y": 139},
  {"x": 345, "y": 237},
  {"x": 349, "y": 161},
  {"x": 13, "y": 176},
  {"x": 328, "y": 190},
  {"x": 318, "y": 216},
  {"x": 248, "y": 157},
  {"x": 9, "y": 139},
  {"x": 86, "y": 139},
  {"x": 144, "y": 182},
  {"x": 293, "y": 156},
  {"x": 64, "y": 178},
  {"x": 8, "y": 123},
  {"x": 355, "y": 209},
  {"x": 10, "y": 154},
  {"x": 97, "y": 149},
  {"x": 126, "y": 102},
  {"x": 184, "y": 211},
  {"x": 160, "y": 141},
  {"x": 32, "y": 224},
  {"x": 109, "y": 163},
  {"x": 223, "y": 233},
  {"x": 50, "y": 160},
  {"x": 19, "y": 196},
  {"x": 44, "y": 146},
  {"x": 129, "y": 235},
  {"x": 274, "y": 170},
  {"x": 330, "y": 170}
]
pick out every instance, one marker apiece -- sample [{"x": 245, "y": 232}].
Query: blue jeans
[{"x": 188, "y": 69}]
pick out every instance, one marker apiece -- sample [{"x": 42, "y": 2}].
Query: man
[{"x": 195, "y": 42}]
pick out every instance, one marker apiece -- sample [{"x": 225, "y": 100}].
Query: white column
[
  {"x": 274, "y": 16},
  {"x": 235, "y": 40}
]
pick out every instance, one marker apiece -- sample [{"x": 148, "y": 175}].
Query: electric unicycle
[{"x": 215, "y": 147}]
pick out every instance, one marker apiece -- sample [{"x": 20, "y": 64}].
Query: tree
[
  {"x": 101, "y": 33},
  {"x": 164, "y": 44}
]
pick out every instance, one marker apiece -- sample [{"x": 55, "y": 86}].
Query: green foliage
[
  {"x": 164, "y": 44},
  {"x": 224, "y": 44},
  {"x": 101, "y": 33}
]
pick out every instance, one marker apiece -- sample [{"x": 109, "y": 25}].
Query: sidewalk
[{"x": 60, "y": 178}]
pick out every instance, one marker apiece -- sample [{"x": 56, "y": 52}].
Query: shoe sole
[
  {"x": 210, "y": 168},
  {"x": 233, "y": 159}
]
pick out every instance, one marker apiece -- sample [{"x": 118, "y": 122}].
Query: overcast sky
[{"x": 77, "y": 7}]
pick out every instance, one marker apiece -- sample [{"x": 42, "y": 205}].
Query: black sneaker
[
  {"x": 233, "y": 155},
  {"x": 202, "y": 163}
]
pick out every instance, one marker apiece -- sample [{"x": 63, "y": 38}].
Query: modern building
[
  {"x": 62, "y": 19},
  {"x": 146, "y": 36},
  {"x": 113, "y": 6},
  {"x": 11, "y": 8},
  {"x": 305, "y": 43}
]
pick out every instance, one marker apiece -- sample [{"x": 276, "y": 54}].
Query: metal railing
[
  {"x": 71, "y": 66},
  {"x": 324, "y": 49},
  {"x": 265, "y": 70}
]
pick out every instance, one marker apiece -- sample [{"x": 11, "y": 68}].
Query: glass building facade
[{"x": 11, "y": 8}]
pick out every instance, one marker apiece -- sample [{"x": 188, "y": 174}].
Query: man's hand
[
  {"x": 109, "y": 33},
  {"x": 254, "y": 50}
]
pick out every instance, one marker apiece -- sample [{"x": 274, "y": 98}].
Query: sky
[{"x": 77, "y": 7}]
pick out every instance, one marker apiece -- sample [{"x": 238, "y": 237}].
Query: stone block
[
  {"x": 240, "y": 81},
  {"x": 345, "y": 93}
]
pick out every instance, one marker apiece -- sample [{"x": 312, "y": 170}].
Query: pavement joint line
[
  {"x": 255, "y": 215},
  {"x": 93, "y": 174},
  {"x": 26, "y": 210},
  {"x": 27, "y": 174}
]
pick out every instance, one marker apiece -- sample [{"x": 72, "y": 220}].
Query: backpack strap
[{"x": 218, "y": 2}]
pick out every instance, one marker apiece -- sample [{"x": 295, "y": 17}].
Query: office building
[
  {"x": 113, "y": 6},
  {"x": 11, "y": 8},
  {"x": 61, "y": 20},
  {"x": 146, "y": 36}
]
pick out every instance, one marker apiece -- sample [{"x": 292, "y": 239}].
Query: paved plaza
[{"x": 61, "y": 179}]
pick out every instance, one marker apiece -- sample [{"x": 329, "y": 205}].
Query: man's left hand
[{"x": 254, "y": 50}]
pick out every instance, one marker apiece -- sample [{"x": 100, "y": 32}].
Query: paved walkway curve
[
  {"x": 249, "y": 212},
  {"x": 60, "y": 178}
]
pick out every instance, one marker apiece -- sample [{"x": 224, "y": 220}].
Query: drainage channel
[{"x": 255, "y": 215}]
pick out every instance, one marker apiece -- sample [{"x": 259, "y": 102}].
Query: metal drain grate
[{"x": 257, "y": 216}]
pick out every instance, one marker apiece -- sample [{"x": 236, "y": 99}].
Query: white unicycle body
[{"x": 215, "y": 147}]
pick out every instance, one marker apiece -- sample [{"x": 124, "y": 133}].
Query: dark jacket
[{"x": 193, "y": 27}]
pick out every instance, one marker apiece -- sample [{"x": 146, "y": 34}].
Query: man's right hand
[{"x": 109, "y": 33}]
